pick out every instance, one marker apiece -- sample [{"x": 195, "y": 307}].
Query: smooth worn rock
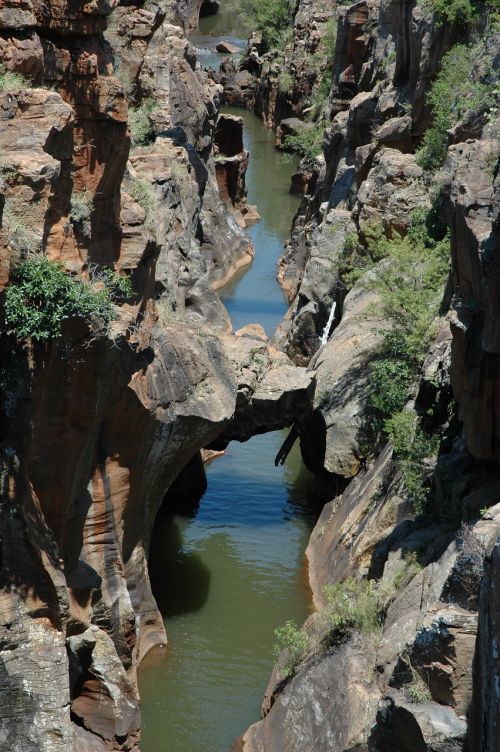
[
  {"x": 324, "y": 707},
  {"x": 227, "y": 48},
  {"x": 334, "y": 436}
]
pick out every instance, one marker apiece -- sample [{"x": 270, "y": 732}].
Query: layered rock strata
[
  {"x": 424, "y": 678},
  {"x": 98, "y": 425}
]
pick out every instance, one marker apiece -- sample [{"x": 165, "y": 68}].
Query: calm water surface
[
  {"x": 255, "y": 295},
  {"x": 233, "y": 572},
  {"x": 234, "y": 569}
]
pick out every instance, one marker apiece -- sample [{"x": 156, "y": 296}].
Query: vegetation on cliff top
[
  {"x": 351, "y": 605},
  {"x": 41, "y": 296},
  {"x": 272, "y": 19},
  {"x": 456, "y": 12},
  {"x": 465, "y": 83},
  {"x": 307, "y": 141}
]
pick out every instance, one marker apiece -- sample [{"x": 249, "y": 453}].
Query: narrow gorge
[{"x": 217, "y": 255}]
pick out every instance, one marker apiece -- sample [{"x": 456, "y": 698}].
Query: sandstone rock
[
  {"x": 272, "y": 392},
  {"x": 228, "y": 136},
  {"x": 253, "y": 331},
  {"x": 484, "y": 711},
  {"x": 250, "y": 214},
  {"x": 396, "y": 133},
  {"x": 17, "y": 15},
  {"x": 106, "y": 703},
  {"x": 406, "y": 727},
  {"x": 391, "y": 191},
  {"x": 227, "y": 48},
  {"x": 333, "y": 436},
  {"x": 324, "y": 707},
  {"x": 320, "y": 289},
  {"x": 239, "y": 88},
  {"x": 23, "y": 55},
  {"x": 472, "y": 207},
  {"x": 35, "y": 138}
]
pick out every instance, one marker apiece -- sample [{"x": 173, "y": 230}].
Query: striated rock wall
[{"x": 98, "y": 424}]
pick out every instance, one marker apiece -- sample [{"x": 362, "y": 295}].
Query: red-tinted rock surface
[{"x": 97, "y": 428}]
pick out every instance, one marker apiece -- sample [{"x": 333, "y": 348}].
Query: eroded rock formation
[
  {"x": 424, "y": 678},
  {"x": 98, "y": 423}
]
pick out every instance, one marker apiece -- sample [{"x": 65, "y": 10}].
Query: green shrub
[
  {"x": 272, "y": 19},
  {"x": 290, "y": 647},
  {"x": 330, "y": 36},
  {"x": 352, "y": 605},
  {"x": 417, "y": 689},
  {"x": 139, "y": 121},
  {"x": 21, "y": 237},
  {"x": 412, "y": 446},
  {"x": 82, "y": 203},
  {"x": 454, "y": 12},
  {"x": 356, "y": 259},
  {"x": 455, "y": 92},
  {"x": 390, "y": 382},
  {"x": 41, "y": 295},
  {"x": 410, "y": 286},
  {"x": 10, "y": 81},
  {"x": 411, "y": 566},
  {"x": 326, "y": 50},
  {"x": 285, "y": 82},
  {"x": 307, "y": 141},
  {"x": 143, "y": 192}
]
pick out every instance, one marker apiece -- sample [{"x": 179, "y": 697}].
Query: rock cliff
[
  {"x": 108, "y": 184},
  {"x": 123, "y": 208},
  {"x": 398, "y": 655}
]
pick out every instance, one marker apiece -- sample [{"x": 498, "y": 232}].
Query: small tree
[{"x": 41, "y": 296}]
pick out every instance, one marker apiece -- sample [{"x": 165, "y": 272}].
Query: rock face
[
  {"x": 279, "y": 86},
  {"x": 473, "y": 210},
  {"x": 375, "y": 115},
  {"x": 98, "y": 426},
  {"x": 335, "y": 432},
  {"x": 425, "y": 678}
]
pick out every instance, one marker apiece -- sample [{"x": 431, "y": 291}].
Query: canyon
[{"x": 119, "y": 170}]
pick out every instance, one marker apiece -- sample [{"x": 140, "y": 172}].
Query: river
[{"x": 234, "y": 568}]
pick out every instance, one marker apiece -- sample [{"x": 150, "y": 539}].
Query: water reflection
[
  {"x": 180, "y": 579},
  {"x": 240, "y": 555},
  {"x": 255, "y": 296}
]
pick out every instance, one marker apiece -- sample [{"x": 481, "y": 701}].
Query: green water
[
  {"x": 233, "y": 570},
  {"x": 255, "y": 296}
]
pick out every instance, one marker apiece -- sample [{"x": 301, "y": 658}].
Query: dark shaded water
[{"x": 233, "y": 570}]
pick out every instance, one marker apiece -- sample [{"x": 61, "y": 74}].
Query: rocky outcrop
[
  {"x": 98, "y": 423},
  {"x": 336, "y": 434},
  {"x": 425, "y": 680},
  {"x": 231, "y": 164},
  {"x": 473, "y": 211},
  {"x": 385, "y": 56},
  {"x": 320, "y": 283},
  {"x": 281, "y": 84}
]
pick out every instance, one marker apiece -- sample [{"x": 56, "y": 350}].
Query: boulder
[
  {"x": 392, "y": 189},
  {"x": 334, "y": 437},
  {"x": 227, "y": 48}
]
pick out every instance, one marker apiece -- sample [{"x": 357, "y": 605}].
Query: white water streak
[{"x": 326, "y": 330}]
